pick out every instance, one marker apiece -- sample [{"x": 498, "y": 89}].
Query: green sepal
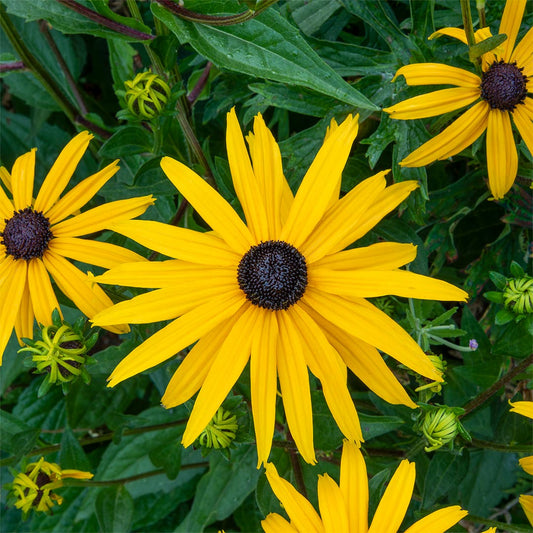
[
  {"x": 503, "y": 316},
  {"x": 494, "y": 296},
  {"x": 478, "y": 49},
  {"x": 498, "y": 279}
]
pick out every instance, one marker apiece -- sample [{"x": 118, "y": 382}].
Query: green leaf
[
  {"x": 127, "y": 140},
  {"x": 114, "y": 509},
  {"x": 504, "y": 316},
  {"x": 514, "y": 339},
  {"x": 265, "y": 47},
  {"x": 311, "y": 14},
  {"x": 498, "y": 279},
  {"x": 478, "y": 49},
  {"x": 71, "y": 454},
  {"x": 121, "y": 56},
  {"x": 374, "y": 426}
]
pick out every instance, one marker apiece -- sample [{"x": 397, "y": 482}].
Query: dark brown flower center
[
  {"x": 503, "y": 86},
  {"x": 26, "y": 234},
  {"x": 273, "y": 275}
]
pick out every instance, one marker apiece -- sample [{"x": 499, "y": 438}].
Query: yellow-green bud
[
  {"x": 433, "y": 387},
  {"x": 146, "y": 95},
  {"x": 440, "y": 426},
  {"x": 518, "y": 295},
  {"x": 220, "y": 432}
]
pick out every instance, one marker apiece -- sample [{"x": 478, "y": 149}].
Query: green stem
[
  {"x": 517, "y": 448},
  {"x": 296, "y": 466},
  {"x": 469, "y": 30}
]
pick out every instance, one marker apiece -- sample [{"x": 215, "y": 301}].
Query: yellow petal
[
  {"x": 244, "y": 181},
  {"x": 433, "y": 104},
  {"x": 5, "y": 178},
  {"x": 102, "y": 217},
  {"x": 79, "y": 195},
  {"x": 319, "y": 182},
  {"x": 6, "y": 266},
  {"x": 176, "y": 336},
  {"x": 524, "y": 124},
  {"x": 225, "y": 370},
  {"x": 332, "y": 506},
  {"x": 61, "y": 172},
  {"x": 25, "y": 317},
  {"x": 364, "y": 321},
  {"x": 369, "y": 284},
  {"x": 294, "y": 384},
  {"x": 439, "y": 521},
  {"x": 526, "y": 501},
  {"x": 6, "y": 207},
  {"x": 437, "y": 74},
  {"x": 11, "y": 292},
  {"x": 22, "y": 174},
  {"x": 379, "y": 256},
  {"x": 180, "y": 243},
  {"x": 341, "y": 219},
  {"x": 302, "y": 514},
  {"x": 209, "y": 204},
  {"x": 43, "y": 298},
  {"x": 456, "y": 137},
  {"x": 263, "y": 383},
  {"x": 527, "y": 464},
  {"x": 456, "y": 33},
  {"x": 502, "y": 159},
  {"x": 274, "y": 523},
  {"x": 394, "y": 503},
  {"x": 354, "y": 487},
  {"x": 510, "y": 24},
  {"x": 524, "y": 408},
  {"x": 524, "y": 49}
]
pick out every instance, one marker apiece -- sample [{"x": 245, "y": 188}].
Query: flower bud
[
  {"x": 146, "y": 95},
  {"x": 440, "y": 426},
  {"x": 220, "y": 432}
]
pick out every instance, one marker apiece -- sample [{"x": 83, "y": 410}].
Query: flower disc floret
[
  {"x": 273, "y": 275},
  {"x": 503, "y": 86},
  {"x": 26, "y": 234}
]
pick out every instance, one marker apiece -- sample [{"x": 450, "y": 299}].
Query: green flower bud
[
  {"x": 440, "y": 426},
  {"x": 221, "y": 431},
  {"x": 146, "y": 95},
  {"x": 518, "y": 295},
  {"x": 428, "y": 389}
]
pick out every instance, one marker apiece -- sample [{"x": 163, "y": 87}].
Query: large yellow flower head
[
  {"x": 38, "y": 234},
  {"x": 344, "y": 506},
  {"x": 278, "y": 290},
  {"x": 500, "y": 92}
]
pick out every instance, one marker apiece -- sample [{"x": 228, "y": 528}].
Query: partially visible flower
[
  {"x": 33, "y": 488},
  {"x": 473, "y": 344},
  {"x": 39, "y": 234},
  {"x": 427, "y": 390},
  {"x": 526, "y": 501},
  {"x": 500, "y": 93},
  {"x": 220, "y": 431},
  {"x": 490, "y": 530},
  {"x": 344, "y": 506},
  {"x": 527, "y": 464},
  {"x": 524, "y": 408},
  {"x": 440, "y": 426},
  {"x": 146, "y": 95}
]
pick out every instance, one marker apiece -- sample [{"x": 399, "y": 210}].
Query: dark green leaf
[
  {"x": 127, "y": 140},
  {"x": 478, "y": 49},
  {"x": 71, "y": 454},
  {"x": 114, "y": 509}
]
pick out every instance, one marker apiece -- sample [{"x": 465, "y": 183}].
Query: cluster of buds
[
  {"x": 33, "y": 487},
  {"x": 146, "y": 95},
  {"x": 60, "y": 352},
  {"x": 440, "y": 425}
]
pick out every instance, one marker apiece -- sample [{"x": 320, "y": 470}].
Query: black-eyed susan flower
[
  {"x": 38, "y": 234},
  {"x": 344, "y": 506},
  {"x": 33, "y": 488},
  {"x": 501, "y": 92},
  {"x": 278, "y": 290}
]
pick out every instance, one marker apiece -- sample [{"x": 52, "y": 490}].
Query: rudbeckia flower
[
  {"x": 499, "y": 93},
  {"x": 344, "y": 506},
  {"x": 278, "y": 290},
  {"x": 38, "y": 234}
]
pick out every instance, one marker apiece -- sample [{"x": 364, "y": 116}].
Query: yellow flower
[
  {"x": 523, "y": 408},
  {"x": 33, "y": 487},
  {"x": 500, "y": 92},
  {"x": 37, "y": 235},
  {"x": 278, "y": 291},
  {"x": 344, "y": 507}
]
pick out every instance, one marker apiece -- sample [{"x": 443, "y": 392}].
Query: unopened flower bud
[
  {"x": 220, "y": 432},
  {"x": 440, "y": 426},
  {"x": 146, "y": 95}
]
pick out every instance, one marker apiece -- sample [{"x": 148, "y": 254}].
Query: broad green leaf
[
  {"x": 265, "y": 47},
  {"x": 71, "y": 454},
  {"x": 121, "y": 56},
  {"x": 311, "y": 14},
  {"x": 114, "y": 509},
  {"x": 127, "y": 140},
  {"x": 478, "y": 49},
  {"x": 374, "y": 426}
]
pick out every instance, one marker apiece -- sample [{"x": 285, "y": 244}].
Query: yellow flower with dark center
[
  {"x": 500, "y": 93},
  {"x": 37, "y": 235},
  {"x": 344, "y": 506},
  {"x": 278, "y": 290}
]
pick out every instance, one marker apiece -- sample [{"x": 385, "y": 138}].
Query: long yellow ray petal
[
  {"x": 527, "y": 464},
  {"x": 102, "y": 217},
  {"x": 61, "y": 172},
  {"x": 439, "y": 521},
  {"x": 524, "y": 408},
  {"x": 302, "y": 514},
  {"x": 6, "y": 266},
  {"x": 526, "y": 501},
  {"x": 192, "y": 371},
  {"x": 79, "y": 195},
  {"x": 25, "y": 316},
  {"x": 11, "y": 292},
  {"x": 176, "y": 336},
  {"x": 5, "y": 178},
  {"x": 364, "y": 321},
  {"x": 379, "y": 256},
  {"x": 455, "y": 33},
  {"x": 393, "y": 505},
  {"x": 502, "y": 159},
  {"x": 22, "y": 175},
  {"x": 43, "y": 298},
  {"x": 294, "y": 385},
  {"x": 244, "y": 181},
  {"x": 88, "y": 297},
  {"x": 433, "y": 104},
  {"x": 180, "y": 243},
  {"x": 209, "y": 204},
  {"x": 332, "y": 506},
  {"x": 510, "y": 24},
  {"x": 342, "y": 218},
  {"x": 524, "y": 125},
  {"x": 326, "y": 364},
  {"x": 263, "y": 383},
  {"x": 225, "y": 370},
  {"x": 354, "y": 487},
  {"x": 274, "y": 523},
  {"x": 103, "y": 254},
  {"x": 436, "y": 74},
  {"x": 524, "y": 49},
  {"x": 456, "y": 137},
  {"x": 6, "y": 206},
  {"x": 369, "y": 284},
  {"x": 318, "y": 184}
]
